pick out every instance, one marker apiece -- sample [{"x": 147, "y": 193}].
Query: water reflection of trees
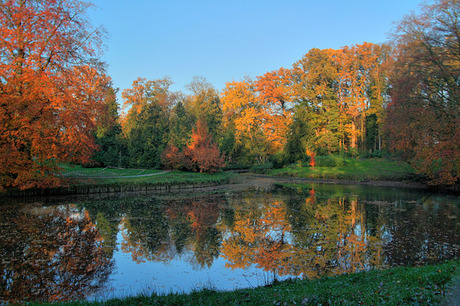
[
  {"x": 157, "y": 230},
  {"x": 299, "y": 236},
  {"x": 314, "y": 235},
  {"x": 311, "y": 234},
  {"x": 422, "y": 232},
  {"x": 50, "y": 254},
  {"x": 60, "y": 253}
]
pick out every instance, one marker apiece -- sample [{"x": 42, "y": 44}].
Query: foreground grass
[
  {"x": 374, "y": 169},
  {"x": 417, "y": 285}
]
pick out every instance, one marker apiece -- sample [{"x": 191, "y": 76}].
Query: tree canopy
[
  {"x": 57, "y": 104},
  {"x": 52, "y": 89}
]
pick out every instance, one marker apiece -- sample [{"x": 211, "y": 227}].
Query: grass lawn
[
  {"x": 111, "y": 177},
  {"x": 374, "y": 169},
  {"x": 399, "y": 286},
  {"x": 79, "y": 171}
]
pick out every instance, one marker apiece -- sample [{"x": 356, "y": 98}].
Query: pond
[{"x": 117, "y": 245}]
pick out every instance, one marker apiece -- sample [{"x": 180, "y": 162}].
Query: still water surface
[{"x": 115, "y": 246}]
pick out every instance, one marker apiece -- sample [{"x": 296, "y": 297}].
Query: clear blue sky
[{"x": 226, "y": 40}]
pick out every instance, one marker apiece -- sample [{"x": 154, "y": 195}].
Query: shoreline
[{"x": 241, "y": 181}]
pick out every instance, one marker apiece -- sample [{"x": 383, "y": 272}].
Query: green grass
[
  {"x": 373, "y": 169},
  {"x": 78, "y": 180},
  {"x": 106, "y": 176},
  {"x": 163, "y": 179},
  {"x": 79, "y": 171},
  {"x": 399, "y": 286}
]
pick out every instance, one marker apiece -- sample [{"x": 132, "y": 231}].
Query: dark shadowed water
[{"x": 98, "y": 248}]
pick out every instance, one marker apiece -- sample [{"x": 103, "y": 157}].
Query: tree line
[{"x": 400, "y": 97}]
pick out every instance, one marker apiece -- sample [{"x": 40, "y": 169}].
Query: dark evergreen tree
[{"x": 148, "y": 137}]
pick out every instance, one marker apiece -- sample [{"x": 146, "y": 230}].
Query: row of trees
[
  {"x": 402, "y": 97},
  {"x": 330, "y": 101},
  {"x": 58, "y": 105}
]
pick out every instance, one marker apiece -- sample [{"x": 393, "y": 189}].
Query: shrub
[
  {"x": 262, "y": 168},
  {"x": 330, "y": 161},
  {"x": 279, "y": 160},
  {"x": 172, "y": 157},
  {"x": 236, "y": 167}
]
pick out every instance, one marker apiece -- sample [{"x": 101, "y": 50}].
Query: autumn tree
[
  {"x": 342, "y": 92},
  {"x": 423, "y": 118},
  {"x": 362, "y": 88},
  {"x": 276, "y": 97},
  {"x": 172, "y": 157},
  {"x": 243, "y": 121},
  {"x": 203, "y": 154},
  {"x": 52, "y": 89}
]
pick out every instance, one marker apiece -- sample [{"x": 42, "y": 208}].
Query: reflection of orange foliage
[
  {"x": 311, "y": 199},
  {"x": 260, "y": 241},
  {"x": 57, "y": 255},
  {"x": 329, "y": 243}
]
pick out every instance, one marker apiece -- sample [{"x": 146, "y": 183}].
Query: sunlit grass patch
[{"x": 353, "y": 169}]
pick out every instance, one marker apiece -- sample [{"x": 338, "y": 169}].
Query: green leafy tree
[
  {"x": 301, "y": 136},
  {"x": 204, "y": 103},
  {"x": 111, "y": 146},
  {"x": 149, "y": 137},
  {"x": 146, "y": 123},
  {"x": 181, "y": 124},
  {"x": 316, "y": 78}
]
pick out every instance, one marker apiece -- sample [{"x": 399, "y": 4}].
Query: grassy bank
[
  {"x": 163, "y": 179},
  {"x": 81, "y": 172},
  {"x": 125, "y": 180},
  {"x": 417, "y": 285},
  {"x": 374, "y": 169},
  {"x": 78, "y": 180}
]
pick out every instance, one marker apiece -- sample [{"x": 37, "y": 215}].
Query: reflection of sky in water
[{"x": 177, "y": 275}]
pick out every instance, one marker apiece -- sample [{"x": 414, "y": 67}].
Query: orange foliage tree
[
  {"x": 276, "y": 96},
  {"x": 172, "y": 157},
  {"x": 202, "y": 153},
  {"x": 242, "y": 115},
  {"x": 52, "y": 89}
]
